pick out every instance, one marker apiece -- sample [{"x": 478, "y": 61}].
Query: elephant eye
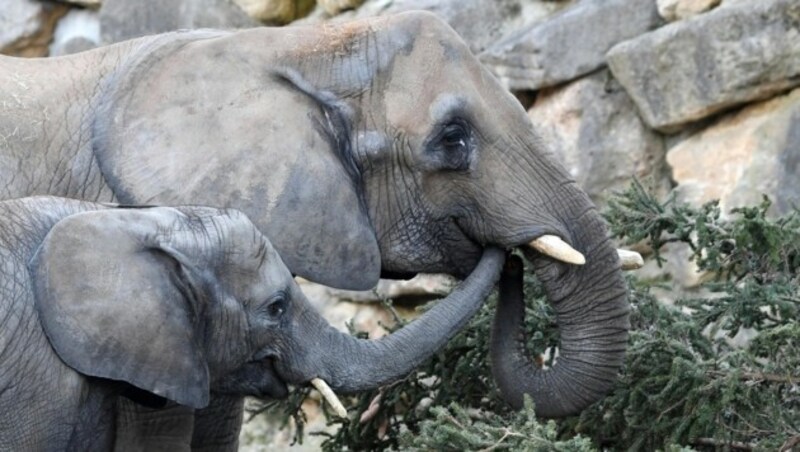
[
  {"x": 454, "y": 146},
  {"x": 276, "y": 306},
  {"x": 455, "y": 137}
]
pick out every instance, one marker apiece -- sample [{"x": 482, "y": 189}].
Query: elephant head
[
  {"x": 375, "y": 147},
  {"x": 182, "y": 302}
]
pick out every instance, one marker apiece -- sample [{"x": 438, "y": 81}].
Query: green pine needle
[{"x": 683, "y": 387}]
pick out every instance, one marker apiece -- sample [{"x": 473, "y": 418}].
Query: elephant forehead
[
  {"x": 452, "y": 85},
  {"x": 257, "y": 268}
]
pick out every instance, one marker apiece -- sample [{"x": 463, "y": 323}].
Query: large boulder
[
  {"x": 688, "y": 70},
  {"x": 742, "y": 155},
  {"x": 125, "y": 19},
  {"x": 594, "y": 128},
  {"x": 26, "y": 26},
  {"x": 569, "y": 44}
]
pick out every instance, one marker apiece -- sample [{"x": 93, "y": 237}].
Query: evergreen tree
[{"x": 684, "y": 385}]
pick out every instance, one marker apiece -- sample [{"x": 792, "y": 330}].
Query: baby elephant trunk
[{"x": 350, "y": 364}]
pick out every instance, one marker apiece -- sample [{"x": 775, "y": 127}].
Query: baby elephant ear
[{"x": 113, "y": 305}]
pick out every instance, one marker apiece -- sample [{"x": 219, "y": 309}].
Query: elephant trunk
[
  {"x": 350, "y": 364},
  {"x": 592, "y": 312}
]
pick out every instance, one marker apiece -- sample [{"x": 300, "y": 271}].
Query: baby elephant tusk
[
  {"x": 631, "y": 260},
  {"x": 556, "y": 248},
  {"x": 329, "y": 396}
]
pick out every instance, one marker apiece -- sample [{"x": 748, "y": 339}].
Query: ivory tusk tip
[
  {"x": 329, "y": 396},
  {"x": 631, "y": 260},
  {"x": 553, "y": 246}
]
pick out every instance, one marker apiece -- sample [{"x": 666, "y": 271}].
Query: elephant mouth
[
  {"x": 284, "y": 374},
  {"x": 257, "y": 378},
  {"x": 276, "y": 387},
  {"x": 317, "y": 383}
]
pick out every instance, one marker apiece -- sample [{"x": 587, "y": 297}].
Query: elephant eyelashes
[
  {"x": 276, "y": 306},
  {"x": 453, "y": 146},
  {"x": 455, "y": 137}
]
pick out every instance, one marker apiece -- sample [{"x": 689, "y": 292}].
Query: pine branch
[
  {"x": 790, "y": 443},
  {"x": 736, "y": 445},
  {"x": 757, "y": 376},
  {"x": 682, "y": 385}
]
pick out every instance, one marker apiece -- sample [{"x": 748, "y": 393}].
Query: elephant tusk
[
  {"x": 631, "y": 260},
  {"x": 556, "y": 248},
  {"x": 329, "y": 396}
]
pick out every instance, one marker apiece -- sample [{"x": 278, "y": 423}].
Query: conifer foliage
[{"x": 684, "y": 386}]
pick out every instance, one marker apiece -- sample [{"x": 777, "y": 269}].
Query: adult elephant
[{"x": 376, "y": 147}]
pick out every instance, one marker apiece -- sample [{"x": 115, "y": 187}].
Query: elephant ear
[
  {"x": 112, "y": 302},
  {"x": 210, "y": 124}
]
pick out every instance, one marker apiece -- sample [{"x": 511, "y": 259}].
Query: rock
[
  {"x": 276, "y": 11},
  {"x": 672, "y": 10},
  {"x": 420, "y": 289},
  {"x": 688, "y": 70},
  {"x": 569, "y": 44},
  {"x": 743, "y": 155},
  {"x": 595, "y": 130},
  {"x": 79, "y": 30},
  {"x": 26, "y": 26},
  {"x": 85, "y": 3},
  {"x": 334, "y": 7},
  {"x": 480, "y": 22},
  {"x": 123, "y": 19}
]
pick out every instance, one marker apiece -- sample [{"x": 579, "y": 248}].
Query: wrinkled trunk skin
[
  {"x": 592, "y": 312},
  {"x": 349, "y": 364}
]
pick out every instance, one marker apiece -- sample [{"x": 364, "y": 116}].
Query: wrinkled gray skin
[
  {"x": 380, "y": 146},
  {"x": 517, "y": 374},
  {"x": 170, "y": 304}
]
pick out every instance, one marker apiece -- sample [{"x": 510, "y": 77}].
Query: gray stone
[
  {"x": 594, "y": 128},
  {"x": 422, "y": 288},
  {"x": 26, "y": 26},
  {"x": 79, "y": 30},
  {"x": 276, "y": 11},
  {"x": 124, "y": 19},
  {"x": 480, "y": 22},
  {"x": 688, "y": 70},
  {"x": 334, "y": 7},
  {"x": 672, "y": 10},
  {"x": 569, "y": 44},
  {"x": 743, "y": 155},
  {"x": 18, "y": 18}
]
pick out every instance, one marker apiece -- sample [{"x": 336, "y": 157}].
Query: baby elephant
[{"x": 168, "y": 305}]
